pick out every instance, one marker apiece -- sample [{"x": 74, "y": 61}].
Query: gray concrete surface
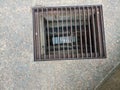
[
  {"x": 112, "y": 82},
  {"x": 18, "y": 71}
]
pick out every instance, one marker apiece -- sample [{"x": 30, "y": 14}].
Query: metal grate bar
[
  {"x": 76, "y": 29},
  {"x": 103, "y": 32},
  {"x": 81, "y": 44},
  {"x": 58, "y": 32},
  {"x": 93, "y": 21},
  {"x": 71, "y": 17},
  {"x": 38, "y": 34},
  {"x": 48, "y": 32},
  {"x": 34, "y": 36},
  {"x": 88, "y": 16},
  {"x": 67, "y": 32},
  {"x": 62, "y": 11},
  {"x": 84, "y": 17},
  {"x": 52, "y": 13},
  {"x": 98, "y": 29},
  {"x": 43, "y": 37}
]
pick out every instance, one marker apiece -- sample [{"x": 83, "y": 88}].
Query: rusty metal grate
[{"x": 68, "y": 32}]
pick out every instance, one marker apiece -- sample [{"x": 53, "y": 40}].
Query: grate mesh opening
[{"x": 68, "y": 32}]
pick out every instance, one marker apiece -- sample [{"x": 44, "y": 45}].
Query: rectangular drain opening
[{"x": 68, "y": 32}]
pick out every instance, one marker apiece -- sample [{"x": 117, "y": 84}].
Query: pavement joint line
[{"x": 106, "y": 76}]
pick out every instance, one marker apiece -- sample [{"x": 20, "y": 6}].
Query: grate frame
[{"x": 87, "y": 11}]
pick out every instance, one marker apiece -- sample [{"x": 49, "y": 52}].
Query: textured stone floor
[
  {"x": 112, "y": 82},
  {"x": 18, "y": 71}
]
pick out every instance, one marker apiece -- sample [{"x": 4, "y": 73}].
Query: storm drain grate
[{"x": 68, "y": 32}]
